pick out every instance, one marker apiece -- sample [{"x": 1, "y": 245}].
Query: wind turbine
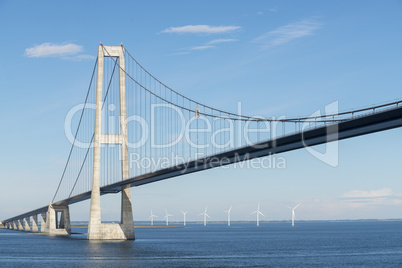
[
  {"x": 205, "y": 216},
  {"x": 293, "y": 213},
  {"x": 258, "y": 214},
  {"x": 152, "y": 217},
  {"x": 184, "y": 217},
  {"x": 167, "y": 217},
  {"x": 228, "y": 212}
]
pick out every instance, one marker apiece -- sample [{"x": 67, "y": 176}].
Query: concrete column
[
  {"x": 127, "y": 223},
  {"x": 15, "y": 225},
  {"x": 20, "y": 227},
  {"x": 35, "y": 228},
  {"x": 27, "y": 228},
  {"x": 97, "y": 230},
  {"x": 51, "y": 219},
  {"x": 53, "y": 227},
  {"x": 43, "y": 220},
  {"x": 94, "y": 223}
]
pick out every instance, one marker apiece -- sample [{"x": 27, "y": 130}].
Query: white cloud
[
  {"x": 205, "y": 29},
  {"x": 287, "y": 33},
  {"x": 385, "y": 192},
  {"x": 217, "y": 41},
  {"x": 52, "y": 50},
  {"x": 201, "y": 47},
  {"x": 260, "y": 13},
  {"x": 381, "y": 197},
  {"x": 273, "y": 10}
]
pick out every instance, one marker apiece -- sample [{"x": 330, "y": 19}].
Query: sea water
[{"x": 308, "y": 244}]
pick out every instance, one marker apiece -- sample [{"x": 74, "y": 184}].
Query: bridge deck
[{"x": 371, "y": 123}]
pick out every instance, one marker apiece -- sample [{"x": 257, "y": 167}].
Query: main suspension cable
[{"x": 311, "y": 119}]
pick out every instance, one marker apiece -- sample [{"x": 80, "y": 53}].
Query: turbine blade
[
  {"x": 253, "y": 212},
  {"x": 261, "y": 213},
  {"x": 297, "y": 206}
]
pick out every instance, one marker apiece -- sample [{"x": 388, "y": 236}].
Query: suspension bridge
[{"x": 132, "y": 130}]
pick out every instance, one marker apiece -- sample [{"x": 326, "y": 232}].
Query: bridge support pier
[
  {"x": 43, "y": 222},
  {"x": 20, "y": 227},
  {"x": 112, "y": 231},
  {"x": 27, "y": 228},
  {"x": 15, "y": 225},
  {"x": 55, "y": 226},
  {"x": 96, "y": 229},
  {"x": 35, "y": 228}
]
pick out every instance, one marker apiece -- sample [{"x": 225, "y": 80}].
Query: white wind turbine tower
[
  {"x": 152, "y": 218},
  {"x": 184, "y": 217},
  {"x": 228, "y": 212},
  {"x": 205, "y": 216},
  {"x": 258, "y": 214},
  {"x": 293, "y": 214},
  {"x": 167, "y": 217}
]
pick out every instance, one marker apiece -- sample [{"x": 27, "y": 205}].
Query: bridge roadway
[{"x": 371, "y": 123}]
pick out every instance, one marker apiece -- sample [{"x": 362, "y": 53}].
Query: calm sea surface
[{"x": 308, "y": 244}]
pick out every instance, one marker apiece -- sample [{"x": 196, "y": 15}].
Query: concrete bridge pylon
[{"x": 96, "y": 229}]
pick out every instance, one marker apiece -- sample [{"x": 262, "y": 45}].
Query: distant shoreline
[
  {"x": 135, "y": 227},
  {"x": 143, "y": 224},
  {"x": 78, "y": 224}
]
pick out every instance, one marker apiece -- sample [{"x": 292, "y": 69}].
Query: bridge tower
[{"x": 97, "y": 229}]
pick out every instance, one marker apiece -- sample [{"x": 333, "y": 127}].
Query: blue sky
[{"x": 276, "y": 57}]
